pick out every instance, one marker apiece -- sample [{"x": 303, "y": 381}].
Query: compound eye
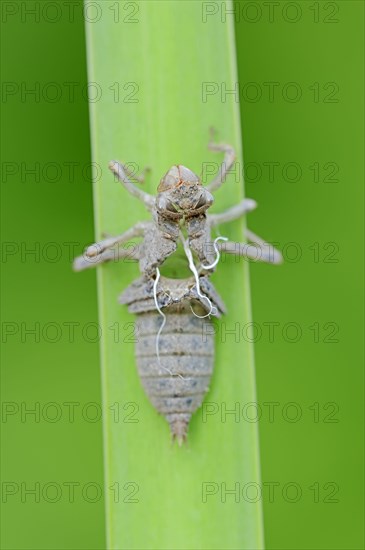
[
  {"x": 171, "y": 207},
  {"x": 164, "y": 205},
  {"x": 170, "y": 180},
  {"x": 201, "y": 202},
  {"x": 206, "y": 199}
]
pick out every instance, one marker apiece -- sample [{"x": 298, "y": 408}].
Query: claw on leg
[
  {"x": 86, "y": 262},
  {"x": 99, "y": 247},
  {"x": 121, "y": 173},
  {"x": 137, "y": 177},
  {"x": 226, "y": 165}
]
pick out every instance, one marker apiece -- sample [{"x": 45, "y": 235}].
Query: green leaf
[{"x": 149, "y": 63}]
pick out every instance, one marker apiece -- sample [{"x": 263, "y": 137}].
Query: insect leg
[
  {"x": 240, "y": 209},
  {"x": 229, "y": 158},
  {"x": 119, "y": 170},
  {"x": 85, "y": 262},
  {"x": 137, "y": 230},
  {"x": 259, "y": 250},
  {"x": 268, "y": 250},
  {"x": 137, "y": 177}
]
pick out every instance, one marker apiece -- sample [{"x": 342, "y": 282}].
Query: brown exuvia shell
[{"x": 177, "y": 382}]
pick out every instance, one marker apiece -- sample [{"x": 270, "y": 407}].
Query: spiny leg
[
  {"x": 268, "y": 250},
  {"x": 119, "y": 170},
  {"x": 135, "y": 176},
  {"x": 240, "y": 209},
  {"x": 261, "y": 251},
  {"x": 85, "y": 262},
  {"x": 137, "y": 230},
  {"x": 229, "y": 158}
]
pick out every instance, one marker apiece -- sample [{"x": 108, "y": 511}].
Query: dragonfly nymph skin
[{"x": 174, "y": 354}]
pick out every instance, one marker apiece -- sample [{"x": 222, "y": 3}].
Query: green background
[{"x": 316, "y": 218}]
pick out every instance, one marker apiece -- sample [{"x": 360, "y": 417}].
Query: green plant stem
[{"x": 152, "y": 74}]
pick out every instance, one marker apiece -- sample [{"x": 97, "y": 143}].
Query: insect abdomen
[
  {"x": 175, "y": 364},
  {"x": 178, "y": 379}
]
